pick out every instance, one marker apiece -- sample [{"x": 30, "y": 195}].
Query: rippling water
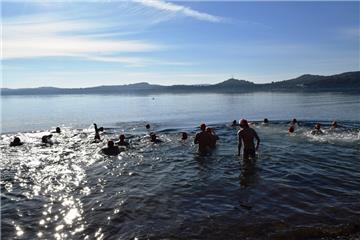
[{"x": 301, "y": 185}]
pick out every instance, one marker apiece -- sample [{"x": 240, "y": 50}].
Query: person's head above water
[
  {"x": 184, "y": 136},
  {"x": 46, "y": 138},
  {"x": 110, "y": 144},
  {"x": 58, "y": 130},
  {"x": 153, "y": 137},
  {"x": 317, "y": 126},
  {"x": 147, "y": 126},
  {"x": 334, "y": 124},
  {"x": 266, "y": 120},
  {"x": 203, "y": 127},
  {"x": 122, "y": 137},
  {"x": 234, "y": 123},
  {"x": 16, "y": 142},
  {"x": 293, "y": 121},
  {"x": 243, "y": 123}
]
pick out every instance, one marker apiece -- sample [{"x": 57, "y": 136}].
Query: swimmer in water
[
  {"x": 184, "y": 136},
  {"x": 213, "y": 137},
  {"x": 334, "y": 125},
  {"x": 122, "y": 141},
  {"x": 293, "y": 125},
  {"x": 291, "y": 129},
  {"x": 147, "y": 126},
  {"x": 154, "y": 139},
  {"x": 46, "y": 139},
  {"x": 16, "y": 142},
  {"x": 265, "y": 122},
  {"x": 97, "y": 130},
  {"x": 111, "y": 149},
  {"x": 317, "y": 129},
  {"x": 58, "y": 130},
  {"x": 203, "y": 139},
  {"x": 294, "y": 122},
  {"x": 246, "y": 136},
  {"x": 234, "y": 123}
]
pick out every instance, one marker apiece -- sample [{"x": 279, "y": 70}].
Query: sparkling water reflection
[{"x": 302, "y": 185}]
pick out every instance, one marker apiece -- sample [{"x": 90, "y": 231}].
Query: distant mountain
[{"x": 349, "y": 82}]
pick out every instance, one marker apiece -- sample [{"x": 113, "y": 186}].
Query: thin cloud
[
  {"x": 175, "y": 8},
  {"x": 58, "y": 38}
]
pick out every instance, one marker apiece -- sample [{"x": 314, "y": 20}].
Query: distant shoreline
[{"x": 348, "y": 82}]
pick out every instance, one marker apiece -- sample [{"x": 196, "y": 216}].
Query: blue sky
[{"x": 81, "y": 44}]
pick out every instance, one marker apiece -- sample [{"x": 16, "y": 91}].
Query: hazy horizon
[
  {"x": 167, "y": 85},
  {"x": 86, "y": 44}
]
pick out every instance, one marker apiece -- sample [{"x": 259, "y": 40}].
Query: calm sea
[
  {"x": 22, "y": 113},
  {"x": 302, "y": 186}
]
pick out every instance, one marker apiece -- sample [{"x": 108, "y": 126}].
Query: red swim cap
[{"x": 243, "y": 123}]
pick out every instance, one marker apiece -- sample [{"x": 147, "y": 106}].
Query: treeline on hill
[{"x": 345, "y": 82}]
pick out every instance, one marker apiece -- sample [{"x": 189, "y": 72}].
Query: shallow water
[{"x": 301, "y": 186}]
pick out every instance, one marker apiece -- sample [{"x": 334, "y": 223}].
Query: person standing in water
[
  {"x": 203, "y": 139},
  {"x": 246, "y": 136},
  {"x": 213, "y": 137}
]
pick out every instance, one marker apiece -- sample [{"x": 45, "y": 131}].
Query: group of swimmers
[
  {"x": 46, "y": 139},
  {"x": 206, "y": 138},
  {"x": 317, "y": 128}
]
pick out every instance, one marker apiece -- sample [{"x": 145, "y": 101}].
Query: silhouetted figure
[
  {"x": 111, "y": 149},
  {"x": 97, "y": 130},
  {"x": 293, "y": 121},
  {"x": 58, "y": 130},
  {"x": 334, "y": 125},
  {"x": 184, "y": 136},
  {"x": 293, "y": 124},
  {"x": 16, "y": 142},
  {"x": 317, "y": 129},
  {"x": 247, "y": 135},
  {"x": 213, "y": 137},
  {"x": 203, "y": 139},
  {"x": 122, "y": 141},
  {"x": 154, "y": 139},
  {"x": 234, "y": 124},
  {"x": 147, "y": 126},
  {"x": 46, "y": 139},
  {"x": 266, "y": 121}
]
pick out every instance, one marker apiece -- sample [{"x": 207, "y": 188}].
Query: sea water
[{"x": 301, "y": 185}]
